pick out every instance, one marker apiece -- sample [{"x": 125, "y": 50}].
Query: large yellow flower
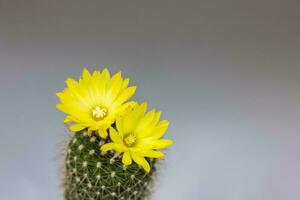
[
  {"x": 138, "y": 136},
  {"x": 95, "y": 100}
]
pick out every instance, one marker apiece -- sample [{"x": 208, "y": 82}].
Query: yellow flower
[
  {"x": 138, "y": 136},
  {"x": 95, "y": 100}
]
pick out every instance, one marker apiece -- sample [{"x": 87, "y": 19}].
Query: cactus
[
  {"x": 115, "y": 142},
  {"x": 92, "y": 174}
]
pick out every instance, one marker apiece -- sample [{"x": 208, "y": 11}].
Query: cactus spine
[{"x": 94, "y": 175}]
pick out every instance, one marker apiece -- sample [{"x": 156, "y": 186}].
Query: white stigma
[
  {"x": 130, "y": 140},
  {"x": 99, "y": 112}
]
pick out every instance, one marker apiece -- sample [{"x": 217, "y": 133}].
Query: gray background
[{"x": 225, "y": 73}]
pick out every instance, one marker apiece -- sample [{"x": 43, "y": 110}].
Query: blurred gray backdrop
[{"x": 225, "y": 73}]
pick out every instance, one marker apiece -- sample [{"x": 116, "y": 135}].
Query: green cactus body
[{"x": 94, "y": 175}]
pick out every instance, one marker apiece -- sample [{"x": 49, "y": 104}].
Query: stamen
[
  {"x": 130, "y": 140},
  {"x": 99, "y": 113}
]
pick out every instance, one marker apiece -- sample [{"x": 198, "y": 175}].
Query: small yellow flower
[
  {"x": 95, "y": 100},
  {"x": 138, "y": 136}
]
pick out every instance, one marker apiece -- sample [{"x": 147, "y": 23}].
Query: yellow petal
[
  {"x": 113, "y": 88},
  {"x": 159, "y": 130},
  {"x": 61, "y": 107},
  {"x": 148, "y": 153},
  {"x": 68, "y": 119},
  {"x": 113, "y": 146},
  {"x": 77, "y": 127},
  {"x": 140, "y": 112},
  {"x": 86, "y": 74},
  {"x": 90, "y": 131},
  {"x": 126, "y": 158},
  {"x": 106, "y": 74},
  {"x": 115, "y": 137},
  {"x": 125, "y": 83},
  {"x": 154, "y": 144},
  {"x": 100, "y": 83},
  {"x": 141, "y": 161},
  {"x": 125, "y": 95},
  {"x": 71, "y": 83},
  {"x": 128, "y": 124},
  {"x": 121, "y": 110},
  {"x": 145, "y": 122},
  {"x": 102, "y": 133},
  {"x": 119, "y": 125},
  {"x": 161, "y": 144},
  {"x": 130, "y": 121}
]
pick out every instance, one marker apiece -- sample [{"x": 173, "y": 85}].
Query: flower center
[
  {"x": 130, "y": 140},
  {"x": 99, "y": 113}
]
